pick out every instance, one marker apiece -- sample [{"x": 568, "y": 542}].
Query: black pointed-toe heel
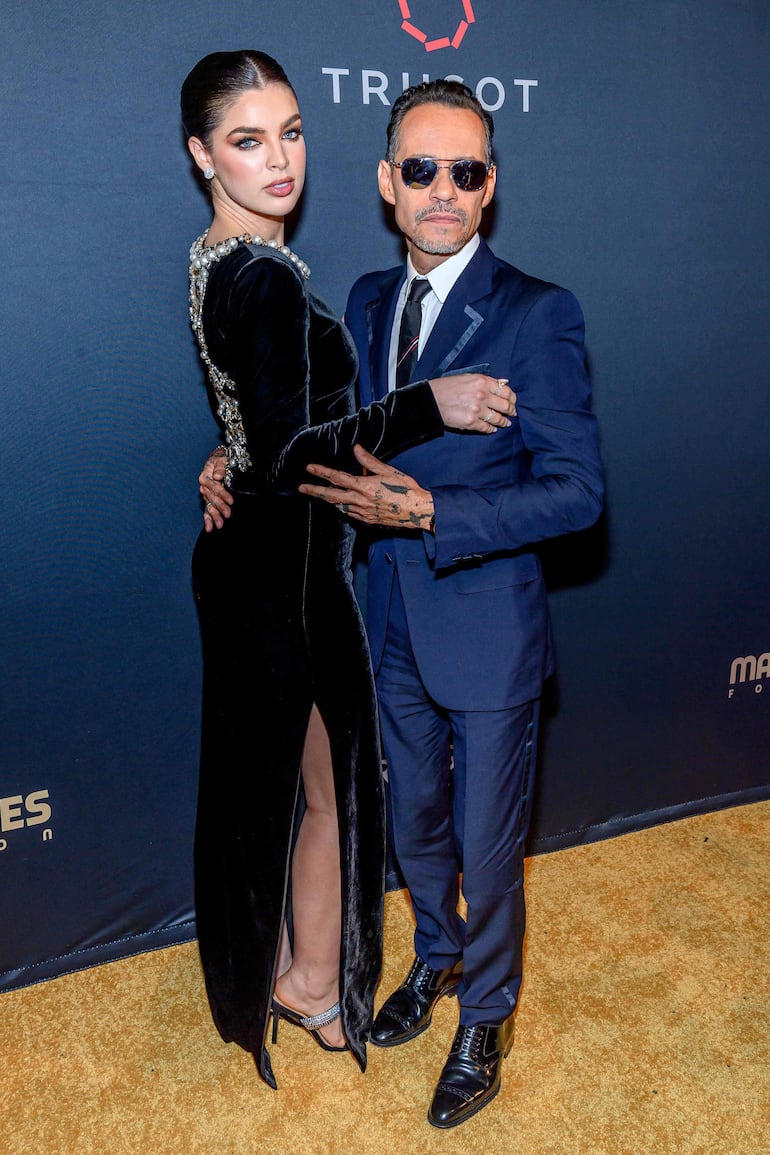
[{"x": 309, "y": 1023}]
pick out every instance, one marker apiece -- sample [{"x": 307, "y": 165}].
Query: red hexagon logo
[{"x": 453, "y": 41}]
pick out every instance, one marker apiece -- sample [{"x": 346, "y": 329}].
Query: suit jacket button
[{"x": 388, "y": 559}]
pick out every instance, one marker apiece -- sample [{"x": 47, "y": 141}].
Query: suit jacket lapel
[
  {"x": 379, "y": 321},
  {"x": 462, "y": 314}
]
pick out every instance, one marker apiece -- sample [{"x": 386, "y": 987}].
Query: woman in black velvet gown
[{"x": 290, "y": 810}]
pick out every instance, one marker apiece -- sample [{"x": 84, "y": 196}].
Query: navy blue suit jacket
[{"x": 473, "y": 593}]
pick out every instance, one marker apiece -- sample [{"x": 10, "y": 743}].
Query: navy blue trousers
[{"x": 468, "y": 813}]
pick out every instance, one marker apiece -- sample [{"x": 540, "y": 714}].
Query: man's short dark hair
[{"x": 450, "y": 93}]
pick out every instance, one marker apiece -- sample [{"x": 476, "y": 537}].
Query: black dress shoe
[
  {"x": 471, "y": 1075},
  {"x": 409, "y": 1010}
]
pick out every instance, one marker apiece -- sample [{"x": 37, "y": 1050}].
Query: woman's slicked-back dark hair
[
  {"x": 450, "y": 93},
  {"x": 219, "y": 79}
]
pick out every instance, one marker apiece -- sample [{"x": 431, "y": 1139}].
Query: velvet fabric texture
[{"x": 281, "y": 630}]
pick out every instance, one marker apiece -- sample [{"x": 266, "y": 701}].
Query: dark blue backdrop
[{"x": 632, "y": 146}]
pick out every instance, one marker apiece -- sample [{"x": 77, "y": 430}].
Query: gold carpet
[{"x": 643, "y": 1027}]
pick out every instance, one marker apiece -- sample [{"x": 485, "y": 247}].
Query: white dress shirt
[{"x": 442, "y": 280}]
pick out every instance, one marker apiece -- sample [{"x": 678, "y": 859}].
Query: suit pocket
[
  {"x": 482, "y": 367},
  {"x": 498, "y": 573}
]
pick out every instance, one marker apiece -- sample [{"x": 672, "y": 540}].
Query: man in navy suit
[{"x": 456, "y": 614}]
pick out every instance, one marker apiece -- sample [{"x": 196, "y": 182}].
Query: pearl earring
[{"x": 208, "y": 173}]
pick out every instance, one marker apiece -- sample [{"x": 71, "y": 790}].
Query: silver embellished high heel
[{"x": 310, "y": 1023}]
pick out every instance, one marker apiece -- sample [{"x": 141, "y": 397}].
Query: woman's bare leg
[
  {"x": 284, "y": 952},
  {"x": 311, "y": 982}
]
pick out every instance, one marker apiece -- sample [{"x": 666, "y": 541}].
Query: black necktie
[{"x": 409, "y": 333}]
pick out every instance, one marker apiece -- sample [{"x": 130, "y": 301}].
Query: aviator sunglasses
[{"x": 421, "y": 171}]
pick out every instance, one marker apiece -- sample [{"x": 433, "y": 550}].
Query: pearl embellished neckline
[{"x": 202, "y": 255}]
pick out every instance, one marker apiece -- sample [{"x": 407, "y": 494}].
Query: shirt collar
[{"x": 442, "y": 278}]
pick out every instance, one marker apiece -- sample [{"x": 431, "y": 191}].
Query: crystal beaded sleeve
[{"x": 202, "y": 257}]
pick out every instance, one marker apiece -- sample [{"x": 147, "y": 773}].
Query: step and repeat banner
[{"x": 631, "y": 140}]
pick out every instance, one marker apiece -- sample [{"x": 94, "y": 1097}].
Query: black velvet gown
[{"x": 280, "y": 631}]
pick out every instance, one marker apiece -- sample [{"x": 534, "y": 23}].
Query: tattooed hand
[{"x": 383, "y": 496}]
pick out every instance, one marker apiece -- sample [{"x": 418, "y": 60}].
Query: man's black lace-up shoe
[
  {"x": 471, "y": 1075},
  {"x": 409, "y": 1010}
]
